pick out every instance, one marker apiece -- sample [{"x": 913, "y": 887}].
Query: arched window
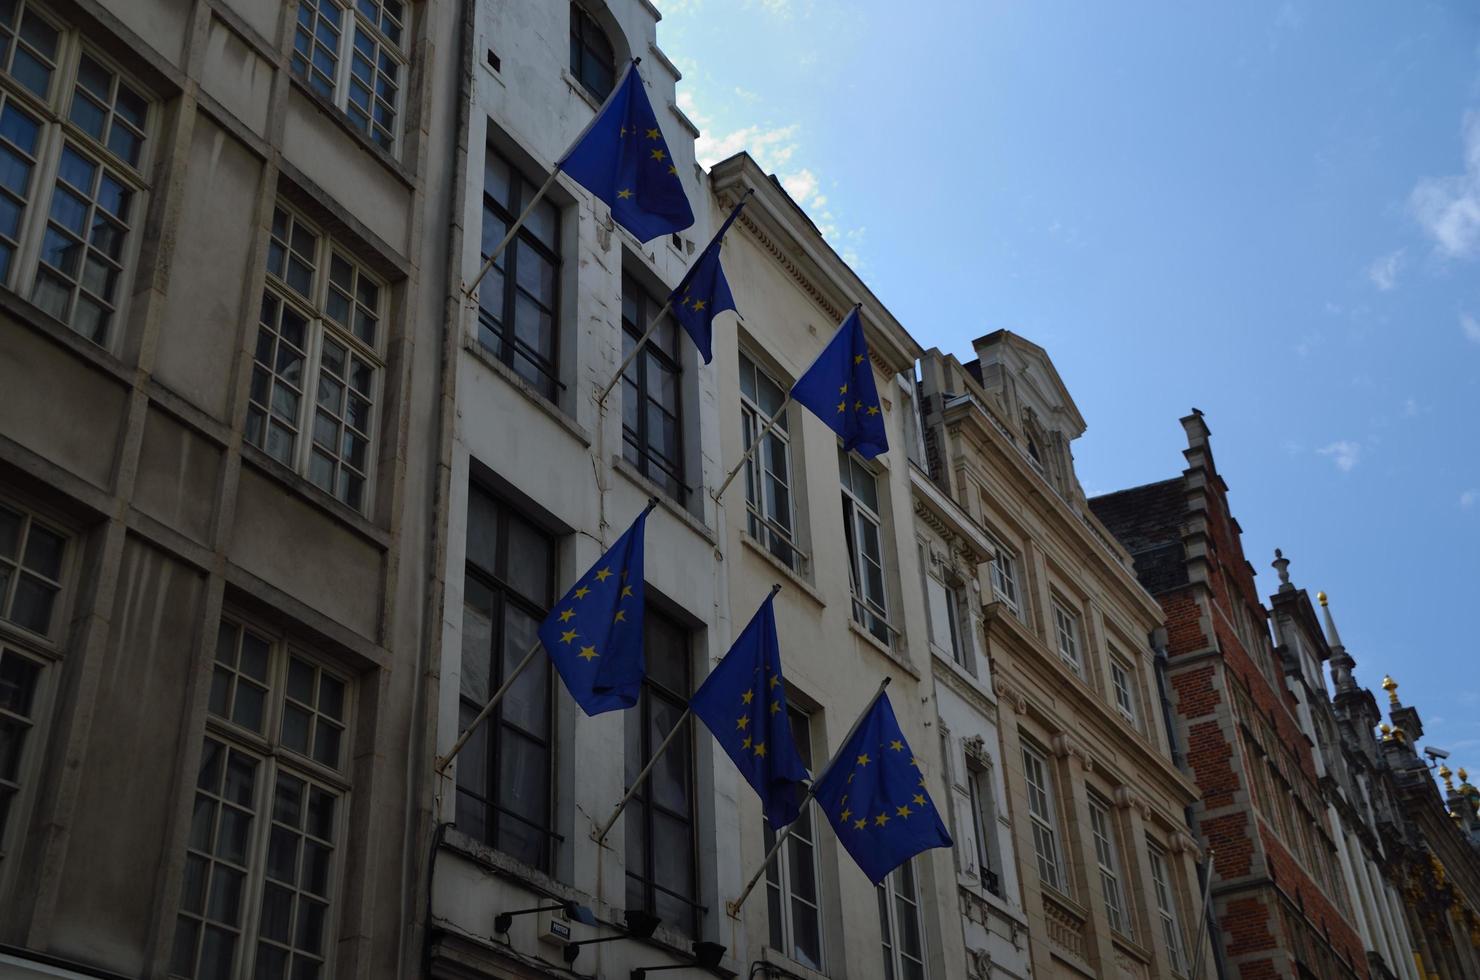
[{"x": 592, "y": 60}]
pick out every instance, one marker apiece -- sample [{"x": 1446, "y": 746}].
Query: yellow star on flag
[
  {"x": 881, "y": 820},
  {"x": 588, "y": 653},
  {"x": 842, "y": 405},
  {"x": 624, "y": 193},
  {"x": 842, "y": 389},
  {"x": 775, "y": 681},
  {"x": 620, "y": 617},
  {"x": 626, "y": 591},
  {"x": 742, "y": 721},
  {"x": 698, "y": 305},
  {"x": 659, "y": 155},
  {"x": 897, "y": 745},
  {"x": 857, "y": 358},
  {"x": 745, "y": 744},
  {"x": 760, "y": 749},
  {"x": 915, "y": 761},
  {"x": 775, "y": 706},
  {"x": 747, "y": 697},
  {"x": 903, "y": 811},
  {"x": 603, "y": 575},
  {"x": 673, "y": 170},
  {"x": 860, "y": 823},
  {"x": 873, "y": 410},
  {"x": 845, "y": 815},
  {"x": 567, "y": 637},
  {"x": 858, "y": 406},
  {"x": 565, "y": 617},
  {"x": 652, "y": 134},
  {"x": 864, "y": 760},
  {"x": 582, "y": 592},
  {"x": 919, "y": 799}
]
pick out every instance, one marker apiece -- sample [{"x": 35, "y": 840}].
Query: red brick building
[{"x": 1278, "y": 903}]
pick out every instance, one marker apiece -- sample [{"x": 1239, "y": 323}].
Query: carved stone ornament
[{"x": 979, "y": 963}]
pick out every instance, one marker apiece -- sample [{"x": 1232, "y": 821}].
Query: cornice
[{"x": 964, "y": 689}]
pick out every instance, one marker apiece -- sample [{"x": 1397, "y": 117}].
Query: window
[
  {"x": 592, "y": 60},
  {"x": 317, "y": 364},
  {"x": 30, "y": 570},
  {"x": 959, "y": 648},
  {"x": 983, "y": 818},
  {"x": 865, "y": 551},
  {"x": 1040, "y": 813},
  {"x": 900, "y": 925},
  {"x": 793, "y": 902},
  {"x": 662, "y": 841},
  {"x": 1066, "y": 631},
  {"x": 20, "y": 676},
  {"x": 768, "y": 496},
  {"x": 73, "y": 141},
  {"x": 1166, "y": 909},
  {"x": 518, "y": 298},
  {"x": 1005, "y": 578},
  {"x": 268, "y": 815},
  {"x": 1109, "y": 865},
  {"x": 352, "y": 56},
  {"x": 652, "y": 431},
  {"x": 503, "y": 774},
  {"x": 1123, "y": 687}
]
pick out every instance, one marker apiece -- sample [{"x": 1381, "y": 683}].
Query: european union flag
[
  {"x": 704, "y": 293},
  {"x": 839, "y": 389},
  {"x": 874, "y": 795},
  {"x": 623, "y": 159},
  {"x": 743, "y": 701},
  {"x": 594, "y": 633}
]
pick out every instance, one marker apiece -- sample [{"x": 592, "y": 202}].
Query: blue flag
[
  {"x": 743, "y": 701},
  {"x": 594, "y": 633},
  {"x": 839, "y": 389},
  {"x": 873, "y": 794},
  {"x": 623, "y": 159},
  {"x": 703, "y": 293}
]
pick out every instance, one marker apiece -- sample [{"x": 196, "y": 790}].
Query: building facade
[
  {"x": 1279, "y": 899},
  {"x": 218, "y": 348},
  {"x": 1094, "y": 805}
]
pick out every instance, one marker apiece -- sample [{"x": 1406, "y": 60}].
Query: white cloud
[
  {"x": 1384, "y": 271},
  {"x": 1467, "y": 498},
  {"x": 800, "y": 185},
  {"x": 1448, "y": 208},
  {"x": 1344, "y": 453},
  {"x": 1471, "y": 328}
]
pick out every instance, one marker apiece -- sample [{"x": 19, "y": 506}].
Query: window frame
[
  {"x": 1044, "y": 824},
  {"x": 16, "y": 569},
  {"x": 1123, "y": 688},
  {"x": 1005, "y": 585},
  {"x": 780, "y": 541},
  {"x": 891, "y": 893},
  {"x": 583, "y": 24},
  {"x": 983, "y": 809},
  {"x": 16, "y": 790},
  {"x": 637, "y": 385},
  {"x": 779, "y": 871},
  {"x": 56, "y": 131},
  {"x": 345, "y": 50},
  {"x": 492, "y": 733},
  {"x": 1166, "y": 909},
  {"x": 871, "y": 613},
  {"x": 272, "y": 760},
  {"x": 1107, "y": 860},
  {"x": 320, "y": 328},
  {"x": 1068, "y": 629}
]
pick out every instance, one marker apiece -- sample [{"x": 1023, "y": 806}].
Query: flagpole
[
  {"x": 755, "y": 444},
  {"x": 600, "y": 835},
  {"x": 462, "y": 740},
  {"x": 513, "y": 230},
  {"x": 733, "y": 908},
  {"x": 652, "y": 326},
  {"x": 1202, "y": 918}
]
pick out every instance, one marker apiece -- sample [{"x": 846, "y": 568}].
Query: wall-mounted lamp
[
  {"x": 572, "y": 910},
  {"x": 706, "y": 956},
  {"x": 640, "y": 925}
]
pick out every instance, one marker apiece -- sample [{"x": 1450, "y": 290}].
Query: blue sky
[{"x": 1269, "y": 210}]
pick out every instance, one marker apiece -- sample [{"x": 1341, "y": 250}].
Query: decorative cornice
[
  {"x": 1066, "y": 746},
  {"x": 793, "y": 268}
]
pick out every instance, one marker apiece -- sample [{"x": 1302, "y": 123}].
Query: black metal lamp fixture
[
  {"x": 706, "y": 956},
  {"x": 640, "y": 925},
  {"x": 572, "y": 910}
]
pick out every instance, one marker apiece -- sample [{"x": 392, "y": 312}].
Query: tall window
[
  {"x": 317, "y": 362},
  {"x": 73, "y": 159},
  {"x": 1041, "y": 815},
  {"x": 983, "y": 825},
  {"x": 20, "y": 675},
  {"x": 592, "y": 60},
  {"x": 1109, "y": 865},
  {"x": 1166, "y": 910},
  {"x": 900, "y": 925},
  {"x": 793, "y": 902},
  {"x": 652, "y": 433},
  {"x": 1005, "y": 578},
  {"x": 1066, "y": 632},
  {"x": 768, "y": 495},
  {"x": 268, "y": 817},
  {"x": 503, "y": 773},
  {"x": 960, "y": 650},
  {"x": 662, "y": 838},
  {"x": 352, "y": 55},
  {"x": 865, "y": 550},
  {"x": 1123, "y": 687},
  {"x": 518, "y": 299},
  {"x": 30, "y": 570}
]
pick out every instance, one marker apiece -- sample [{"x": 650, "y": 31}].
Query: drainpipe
[{"x": 1158, "y": 640}]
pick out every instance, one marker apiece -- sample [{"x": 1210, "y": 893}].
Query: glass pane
[
  {"x": 529, "y": 561},
  {"x": 224, "y": 901},
  {"x": 295, "y": 728},
  {"x": 287, "y": 802},
  {"x": 321, "y": 814},
  {"x": 523, "y": 772},
  {"x": 249, "y": 708},
  {"x": 17, "y": 683},
  {"x": 477, "y": 640},
  {"x": 673, "y": 853},
  {"x": 10, "y": 532},
  {"x": 241, "y": 777},
  {"x": 31, "y": 607},
  {"x": 44, "y": 552},
  {"x": 326, "y": 739},
  {"x": 217, "y": 950},
  {"x": 277, "y": 913},
  {"x": 482, "y": 530},
  {"x": 231, "y": 840},
  {"x": 300, "y": 681},
  {"x": 528, "y": 703},
  {"x": 254, "y": 657}
]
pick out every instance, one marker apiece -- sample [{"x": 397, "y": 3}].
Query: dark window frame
[
  {"x": 638, "y": 388},
  {"x": 641, "y": 811},
  {"x": 591, "y": 52},
  {"x": 495, "y": 730},
  {"x": 510, "y": 348}
]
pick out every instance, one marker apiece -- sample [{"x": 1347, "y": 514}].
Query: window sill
[
  {"x": 997, "y": 903},
  {"x": 515, "y": 870},
  {"x": 620, "y": 465},
  {"x": 485, "y": 357},
  {"x": 100, "y": 357},
  {"x": 337, "y": 117},
  {"x": 796, "y": 577},
  {"x": 770, "y": 954},
  {"x": 315, "y": 497},
  {"x": 897, "y": 658}
]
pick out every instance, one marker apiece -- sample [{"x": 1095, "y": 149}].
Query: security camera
[{"x": 1435, "y": 753}]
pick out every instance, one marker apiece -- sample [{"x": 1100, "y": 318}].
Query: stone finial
[
  {"x": 1446, "y": 775},
  {"x": 1464, "y": 777},
  {"x": 1281, "y": 565},
  {"x": 1387, "y": 731},
  {"x": 1333, "y": 638},
  {"x": 1391, "y": 687}
]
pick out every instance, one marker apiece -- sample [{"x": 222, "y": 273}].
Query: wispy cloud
[
  {"x": 1384, "y": 271},
  {"x": 1470, "y": 327},
  {"x": 1467, "y": 498},
  {"x": 1344, "y": 453},
  {"x": 1448, "y": 208}
]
